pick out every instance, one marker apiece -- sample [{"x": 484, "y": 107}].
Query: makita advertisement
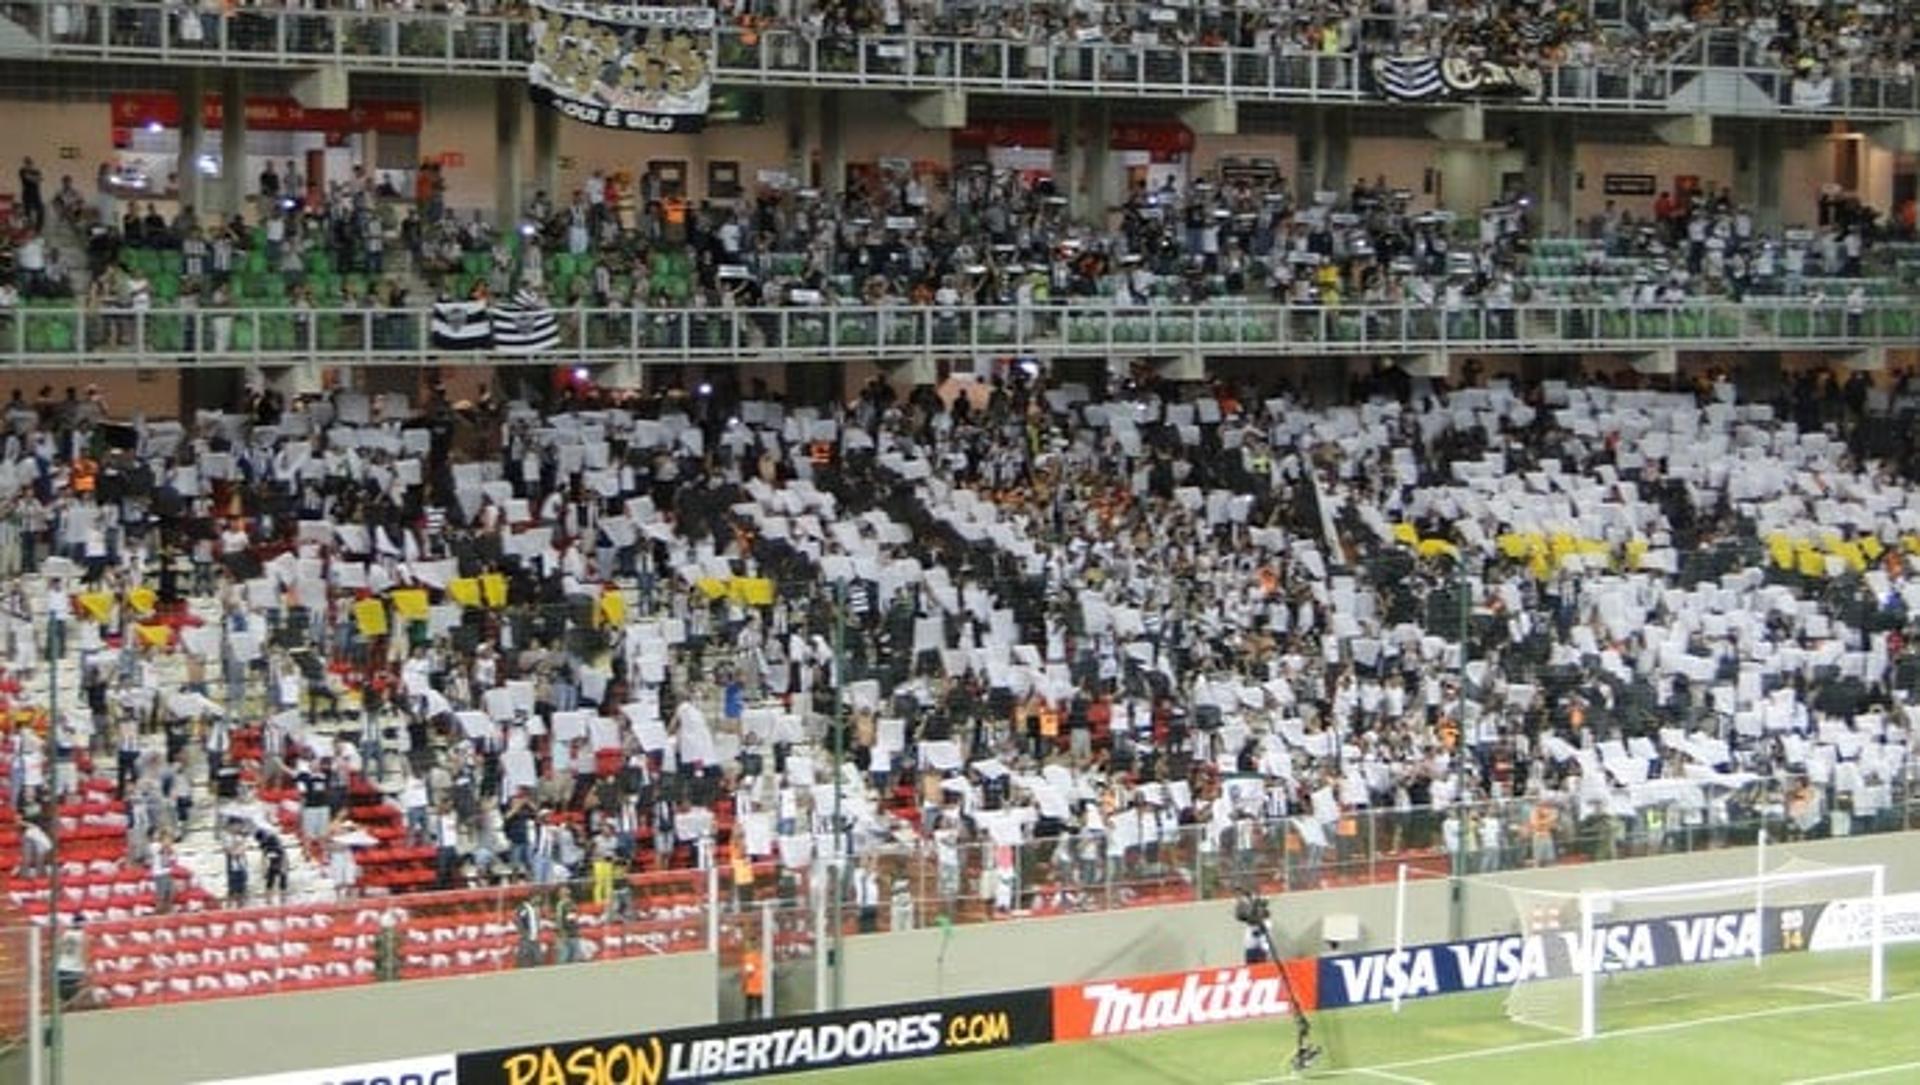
[
  {"x": 782, "y": 1046},
  {"x": 1206, "y": 996},
  {"x": 1357, "y": 979}
]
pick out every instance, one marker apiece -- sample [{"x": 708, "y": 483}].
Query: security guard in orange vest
[{"x": 753, "y": 983}]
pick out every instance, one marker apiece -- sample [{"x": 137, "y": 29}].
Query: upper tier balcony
[
  {"x": 425, "y": 42},
  {"x": 49, "y": 334}
]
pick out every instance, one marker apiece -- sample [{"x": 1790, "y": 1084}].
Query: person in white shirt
[
  {"x": 1491, "y": 842},
  {"x": 446, "y": 841},
  {"x": 36, "y": 848},
  {"x": 866, "y": 897},
  {"x": 30, "y": 259}
]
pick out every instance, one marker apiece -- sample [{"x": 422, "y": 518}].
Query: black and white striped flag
[
  {"x": 525, "y": 325},
  {"x": 1534, "y": 33},
  {"x": 462, "y": 325},
  {"x": 1409, "y": 78}
]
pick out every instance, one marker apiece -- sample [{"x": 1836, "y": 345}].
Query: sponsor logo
[
  {"x": 1175, "y": 1000},
  {"x": 638, "y": 1063},
  {"x": 1484, "y": 963},
  {"x": 650, "y": 1061},
  {"x": 1793, "y": 928},
  {"x": 426, "y": 1070},
  {"x": 754, "y": 1049},
  {"x": 1848, "y": 923},
  {"x": 978, "y": 1030}
]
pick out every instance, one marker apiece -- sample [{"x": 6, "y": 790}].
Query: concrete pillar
[
  {"x": 1336, "y": 148},
  {"x": 509, "y": 199},
  {"x": 1067, "y": 177},
  {"x": 805, "y": 132},
  {"x": 546, "y": 154},
  {"x": 1324, "y": 380},
  {"x": 1466, "y": 177},
  {"x": 1757, "y": 166},
  {"x": 1083, "y": 159},
  {"x": 233, "y": 141},
  {"x": 193, "y": 125},
  {"x": 1323, "y": 149},
  {"x": 1549, "y": 169},
  {"x": 833, "y": 143},
  {"x": 1106, "y": 181}
]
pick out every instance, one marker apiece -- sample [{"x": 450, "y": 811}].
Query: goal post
[{"x": 1660, "y": 952}]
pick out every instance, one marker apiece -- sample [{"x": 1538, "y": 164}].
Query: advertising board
[
  {"x": 424, "y": 1070},
  {"x": 1205, "y": 996},
  {"x": 1358, "y": 979},
  {"x": 785, "y": 1045},
  {"x": 1848, "y": 923}
]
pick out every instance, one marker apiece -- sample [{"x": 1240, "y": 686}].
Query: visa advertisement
[{"x": 1359, "y": 979}]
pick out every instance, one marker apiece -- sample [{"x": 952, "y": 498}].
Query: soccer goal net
[{"x": 1607, "y": 959}]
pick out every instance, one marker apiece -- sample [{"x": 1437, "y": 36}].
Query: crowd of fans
[
  {"x": 1493, "y": 621},
  {"x": 996, "y": 237},
  {"x": 977, "y": 236},
  {"x": 295, "y": 245},
  {"x": 1808, "y": 40}
]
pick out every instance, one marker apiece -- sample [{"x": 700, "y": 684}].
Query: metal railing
[
  {"x": 1066, "y": 874},
  {"x": 436, "y": 42},
  {"x": 39, "y": 335},
  {"x": 279, "y": 947}
]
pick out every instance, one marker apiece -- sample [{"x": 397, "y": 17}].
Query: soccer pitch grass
[{"x": 1797, "y": 1019}]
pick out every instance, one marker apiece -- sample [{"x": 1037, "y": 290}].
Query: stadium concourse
[{"x": 356, "y": 689}]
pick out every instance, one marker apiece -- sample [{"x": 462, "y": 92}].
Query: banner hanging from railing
[
  {"x": 1811, "y": 93},
  {"x": 639, "y": 69},
  {"x": 1419, "y": 79},
  {"x": 524, "y": 324}
]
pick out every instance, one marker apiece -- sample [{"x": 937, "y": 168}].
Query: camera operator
[
  {"x": 1256, "y": 916},
  {"x": 1251, "y": 911}
]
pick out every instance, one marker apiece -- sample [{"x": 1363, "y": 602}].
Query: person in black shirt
[
  {"x": 526, "y": 924},
  {"x": 517, "y": 826},
  {"x": 274, "y": 853},
  {"x": 33, "y": 211},
  {"x": 315, "y": 811},
  {"x": 155, "y": 229},
  {"x": 236, "y": 872}
]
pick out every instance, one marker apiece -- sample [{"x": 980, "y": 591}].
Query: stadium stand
[{"x": 1219, "y": 628}]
